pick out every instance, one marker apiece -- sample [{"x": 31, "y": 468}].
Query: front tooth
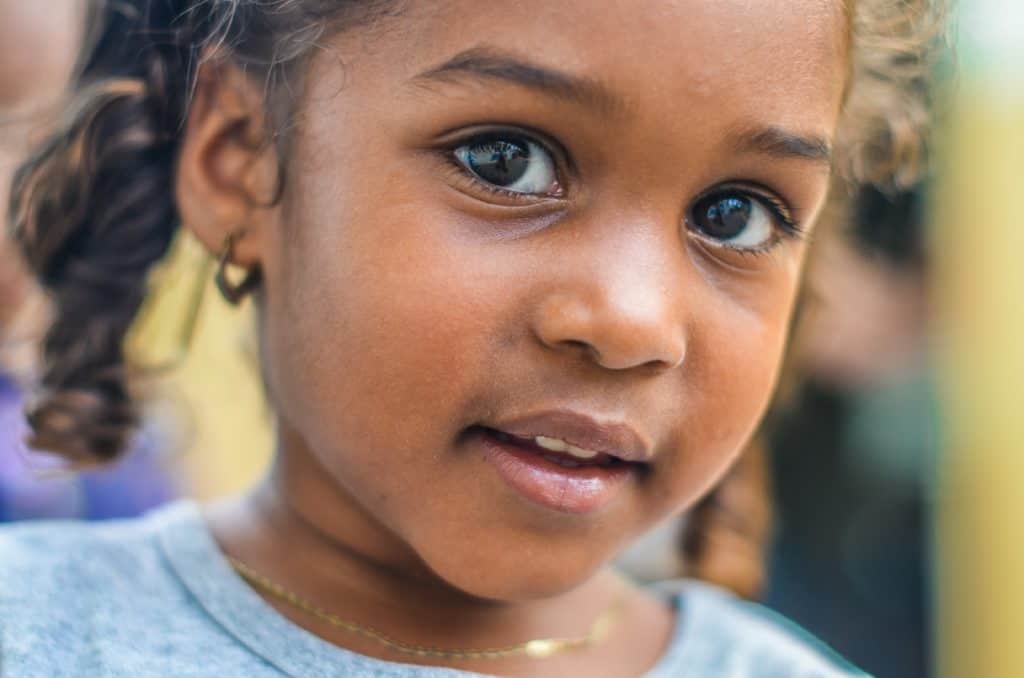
[
  {"x": 580, "y": 452},
  {"x": 553, "y": 444},
  {"x": 556, "y": 445}
]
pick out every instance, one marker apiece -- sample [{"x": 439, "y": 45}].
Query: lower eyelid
[
  {"x": 774, "y": 242},
  {"x": 741, "y": 263},
  {"x": 761, "y": 250},
  {"x": 463, "y": 175}
]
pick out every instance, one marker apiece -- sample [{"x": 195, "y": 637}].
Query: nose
[{"x": 622, "y": 312}]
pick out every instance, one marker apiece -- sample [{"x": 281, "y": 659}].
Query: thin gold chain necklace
[{"x": 536, "y": 649}]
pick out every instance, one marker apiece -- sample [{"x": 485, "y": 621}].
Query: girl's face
[{"x": 572, "y": 220}]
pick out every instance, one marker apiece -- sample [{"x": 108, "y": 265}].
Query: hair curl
[
  {"x": 93, "y": 208},
  {"x": 883, "y": 132}
]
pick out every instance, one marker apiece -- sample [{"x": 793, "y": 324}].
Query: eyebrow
[
  {"x": 489, "y": 63},
  {"x": 485, "y": 63},
  {"x": 783, "y": 144}
]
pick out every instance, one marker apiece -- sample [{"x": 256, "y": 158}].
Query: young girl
[{"x": 524, "y": 273}]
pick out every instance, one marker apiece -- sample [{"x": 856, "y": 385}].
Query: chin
[
  {"x": 520, "y": 586},
  {"x": 516, "y": 572}
]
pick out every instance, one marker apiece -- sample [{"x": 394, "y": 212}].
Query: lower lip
[{"x": 585, "y": 489}]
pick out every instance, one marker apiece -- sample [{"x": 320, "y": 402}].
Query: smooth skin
[{"x": 405, "y": 301}]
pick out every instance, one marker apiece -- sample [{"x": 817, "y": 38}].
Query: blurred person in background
[
  {"x": 853, "y": 446},
  {"x": 38, "y": 45}
]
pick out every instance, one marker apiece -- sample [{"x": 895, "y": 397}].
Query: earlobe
[{"x": 226, "y": 184}]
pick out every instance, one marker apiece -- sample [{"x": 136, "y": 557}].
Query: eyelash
[{"x": 788, "y": 228}]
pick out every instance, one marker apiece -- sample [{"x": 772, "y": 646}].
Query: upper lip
[{"x": 613, "y": 438}]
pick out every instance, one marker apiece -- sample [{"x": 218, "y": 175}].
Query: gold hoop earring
[{"x": 234, "y": 293}]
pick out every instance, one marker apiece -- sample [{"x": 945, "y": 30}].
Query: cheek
[
  {"x": 734, "y": 357},
  {"x": 381, "y": 329},
  {"x": 744, "y": 359}
]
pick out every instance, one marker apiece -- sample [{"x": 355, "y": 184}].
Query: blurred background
[{"x": 894, "y": 463}]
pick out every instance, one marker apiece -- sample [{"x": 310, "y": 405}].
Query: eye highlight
[
  {"x": 741, "y": 220},
  {"x": 511, "y": 164}
]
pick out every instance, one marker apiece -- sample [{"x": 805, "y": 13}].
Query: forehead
[{"x": 778, "y": 59}]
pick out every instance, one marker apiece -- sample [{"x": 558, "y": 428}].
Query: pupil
[
  {"x": 502, "y": 163},
  {"x": 727, "y": 217}
]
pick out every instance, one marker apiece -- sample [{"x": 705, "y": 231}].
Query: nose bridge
[{"x": 623, "y": 299}]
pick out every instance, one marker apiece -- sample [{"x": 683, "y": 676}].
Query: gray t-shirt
[{"x": 155, "y": 597}]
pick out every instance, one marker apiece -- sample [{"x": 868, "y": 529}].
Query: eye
[
  {"x": 511, "y": 164},
  {"x": 739, "y": 220}
]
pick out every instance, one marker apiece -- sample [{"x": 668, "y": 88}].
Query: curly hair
[
  {"x": 883, "y": 131},
  {"x": 93, "y": 209}
]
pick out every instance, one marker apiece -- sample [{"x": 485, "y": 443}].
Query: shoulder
[
  {"x": 33, "y": 554},
  {"x": 726, "y": 635},
  {"x": 62, "y": 583}
]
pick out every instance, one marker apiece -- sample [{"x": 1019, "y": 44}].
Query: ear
[{"x": 227, "y": 175}]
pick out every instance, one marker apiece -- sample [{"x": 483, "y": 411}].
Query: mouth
[
  {"x": 563, "y": 461},
  {"x": 555, "y": 450}
]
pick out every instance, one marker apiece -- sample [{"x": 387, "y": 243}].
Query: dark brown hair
[{"x": 93, "y": 209}]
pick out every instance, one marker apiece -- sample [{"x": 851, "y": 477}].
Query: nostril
[
  {"x": 667, "y": 356},
  {"x": 611, "y": 332},
  {"x": 583, "y": 348}
]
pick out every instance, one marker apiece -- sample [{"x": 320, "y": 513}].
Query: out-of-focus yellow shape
[
  {"x": 979, "y": 285},
  {"x": 207, "y": 400}
]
